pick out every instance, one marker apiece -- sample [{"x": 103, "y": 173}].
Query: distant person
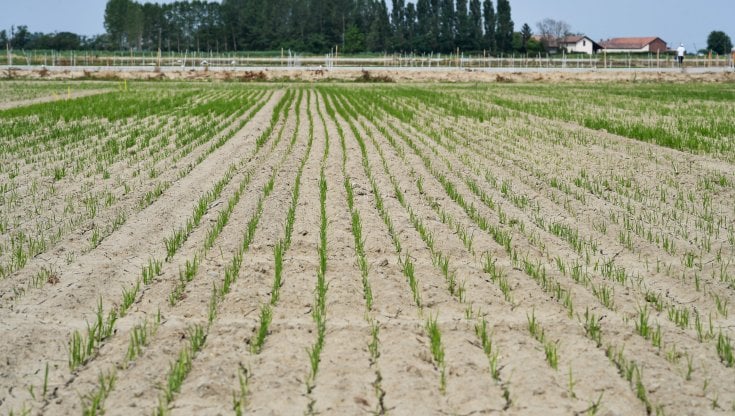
[{"x": 680, "y": 51}]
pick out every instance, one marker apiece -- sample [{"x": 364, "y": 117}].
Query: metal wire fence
[{"x": 290, "y": 60}]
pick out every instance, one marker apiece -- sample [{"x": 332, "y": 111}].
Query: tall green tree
[
  {"x": 240, "y": 22},
  {"x": 398, "y": 26},
  {"x": 354, "y": 40},
  {"x": 411, "y": 26},
  {"x": 154, "y": 26},
  {"x": 533, "y": 46},
  {"x": 115, "y": 17},
  {"x": 134, "y": 25},
  {"x": 426, "y": 24},
  {"x": 475, "y": 26},
  {"x": 124, "y": 23},
  {"x": 379, "y": 34},
  {"x": 504, "y": 29},
  {"x": 490, "y": 22},
  {"x": 20, "y": 37},
  {"x": 447, "y": 26},
  {"x": 61, "y": 41},
  {"x": 463, "y": 28},
  {"x": 301, "y": 25},
  {"x": 719, "y": 42},
  {"x": 526, "y": 34}
]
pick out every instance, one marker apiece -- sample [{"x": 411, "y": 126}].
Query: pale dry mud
[
  {"x": 176, "y": 319},
  {"x": 343, "y": 386},
  {"x": 408, "y": 164}
]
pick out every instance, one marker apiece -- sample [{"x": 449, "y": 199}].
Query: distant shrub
[
  {"x": 251, "y": 76},
  {"x": 366, "y": 76},
  {"x": 503, "y": 80}
]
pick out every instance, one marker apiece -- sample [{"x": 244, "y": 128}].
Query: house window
[{"x": 584, "y": 43}]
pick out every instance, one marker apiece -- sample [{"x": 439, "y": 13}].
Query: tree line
[
  {"x": 316, "y": 26},
  {"x": 20, "y": 37}
]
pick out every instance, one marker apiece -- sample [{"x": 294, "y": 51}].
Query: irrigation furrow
[
  {"x": 543, "y": 337},
  {"x": 55, "y": 97},
  {"x": 665, "y": 200}
]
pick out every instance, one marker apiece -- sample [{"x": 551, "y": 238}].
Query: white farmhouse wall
[
  {"x": 644, "y": 49},
  {"x": 584, "y": 45}
]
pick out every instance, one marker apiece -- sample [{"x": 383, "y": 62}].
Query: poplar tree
[
  {"x": 463, "y": 29},
  {"x": 475, "y": 26},
  {"x": 490, "y": 22},
  {"x": 411, "y": 26},
  {"x": 447, "y": 26},
  {"x": 315, "y": 26},
  {"x": 378, "y": 36},
  {"x": 398, "y": 25},
  {"x": 124, "y": 23},
  {"x": 504, "y": 29}
]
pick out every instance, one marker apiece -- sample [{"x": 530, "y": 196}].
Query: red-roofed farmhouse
[{"x": 648, "y": 44}]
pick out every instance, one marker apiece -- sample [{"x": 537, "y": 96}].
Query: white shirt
[{"x": 680, "y": 51}]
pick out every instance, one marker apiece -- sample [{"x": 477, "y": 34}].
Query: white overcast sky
[{"x": 675, "y": 21}]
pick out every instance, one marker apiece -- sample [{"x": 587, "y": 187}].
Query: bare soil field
[
  {"x": 197, "y": 248},
  {"x": 403, "y": 75}
]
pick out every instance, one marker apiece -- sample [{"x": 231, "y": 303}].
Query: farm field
[
  {"x": 228, "y": 248},
  {"x": 13, "y": 94}
]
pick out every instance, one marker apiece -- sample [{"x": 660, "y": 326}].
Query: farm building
[
  {"x": 580, "y": 44},
  {"x": 647, "y": 44},
  {"x": 570, "y": 44}
]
